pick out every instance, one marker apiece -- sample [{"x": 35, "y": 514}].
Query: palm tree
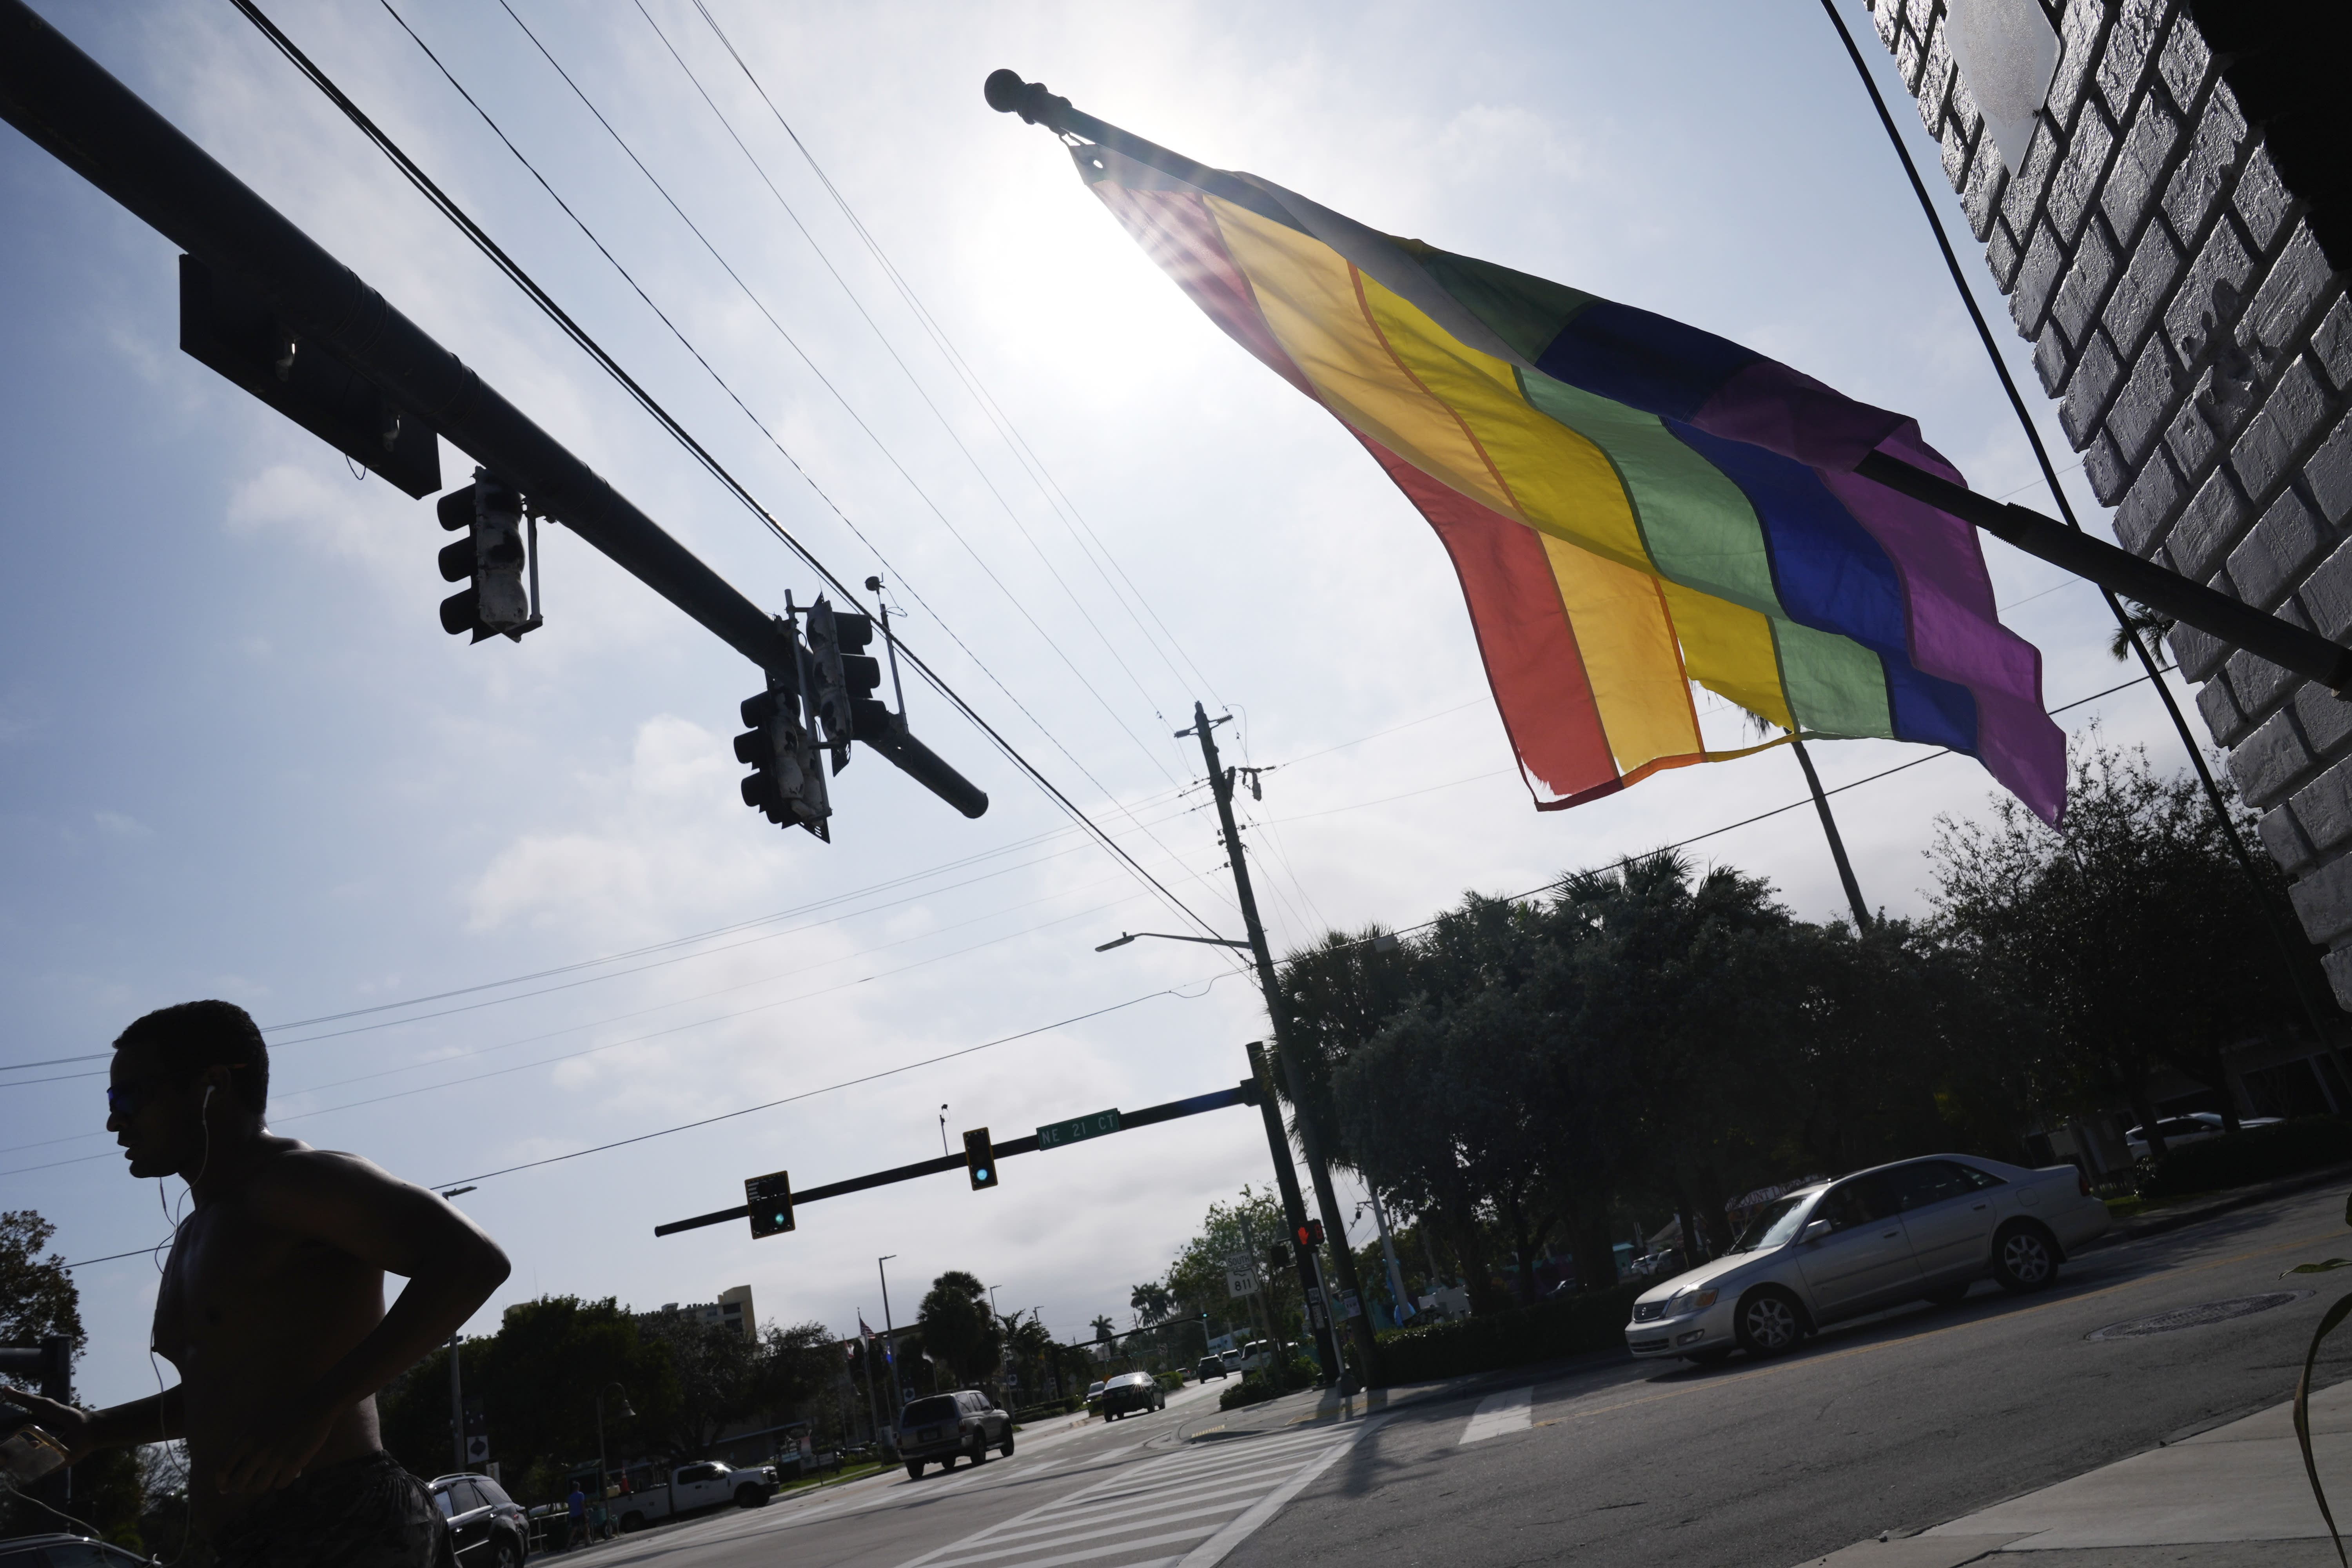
[
  {"x": 2139, "y": 622},
  {"x": 1151, "y": 1303}
]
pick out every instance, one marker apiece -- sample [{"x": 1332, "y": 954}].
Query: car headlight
[{"x": 1690, "y": 1302}]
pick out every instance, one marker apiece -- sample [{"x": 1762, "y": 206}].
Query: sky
[{"x": 497, "y": 904}]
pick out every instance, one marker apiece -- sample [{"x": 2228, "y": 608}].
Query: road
[{"x": 1895, "y": 1423}]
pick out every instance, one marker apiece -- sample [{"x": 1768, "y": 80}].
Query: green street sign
[{"x": 1073, "y": 1130}]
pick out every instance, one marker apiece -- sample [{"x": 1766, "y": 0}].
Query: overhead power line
[
  {"x": 1056, "y": 497},
  {"x": 506, "y": 264}
]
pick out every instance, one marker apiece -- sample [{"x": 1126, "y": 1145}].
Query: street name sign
[{"x": 1057, "y": 1134}]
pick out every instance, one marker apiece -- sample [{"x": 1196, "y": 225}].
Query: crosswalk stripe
[
  {"x": 1128, "y": 1502},
  {"x": 1510, "y": 1411},
  {"x": 1088, "y": 1555},
  {"x": 1212, "y": 1552},
  {"x": 1060, "y": 1531}
]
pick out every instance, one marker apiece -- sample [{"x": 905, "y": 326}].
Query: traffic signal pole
[
  {"x": 1294, "y": 1211},
  {"x": 73, "y": 108},
  {"x": 1310, "y": 1139}
]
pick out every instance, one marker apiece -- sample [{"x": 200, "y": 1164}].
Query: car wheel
[
  {"x": 914, "y": 1469},
  {"x": 749, "y": 1496},
  {"x": 1950, "y": 1295},
  {"x": 1007, "y": 1450},
  {"x": 2024, "y": 1258},
  {"x": 1769, "y": 1322},
  {"x": 978, "y": 1454},
  {"x": 506, "y": 1553}
]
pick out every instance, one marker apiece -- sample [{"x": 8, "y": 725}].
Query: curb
[{"x": 2191, "y": 1212}]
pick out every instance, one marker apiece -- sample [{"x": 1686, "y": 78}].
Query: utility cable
[
  {"x": 954, "y": 436},
  {"x": 442, "y": 203},
  {"x": 1056, "y": 496},
  {"x": 858, "y": 420}
]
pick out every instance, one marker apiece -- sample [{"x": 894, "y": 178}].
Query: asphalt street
[{"x": 1896, "y": 1423}]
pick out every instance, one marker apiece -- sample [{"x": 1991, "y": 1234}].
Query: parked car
[
  {"x": 1211, "y": 1366},
  {"x": 1923, "y": 1229},
  {"x": 1130, "y": 1391},
  {"x": 1094, "y": 1392},
  {"x": 488, "y": 1529},
  {"x": 704, "y": 1484},
  {"x": 946, "y": 1427},
  {"x": 1254, "y": 1356},
  {"x": 2193, "y": 1128},
  {"x": 64, "y": 1551}
]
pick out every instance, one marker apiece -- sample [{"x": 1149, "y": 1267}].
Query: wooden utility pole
[{"x": 1335, "y": 1223}]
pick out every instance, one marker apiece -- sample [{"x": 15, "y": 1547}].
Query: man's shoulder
[{"x": 291, "y": 1172}]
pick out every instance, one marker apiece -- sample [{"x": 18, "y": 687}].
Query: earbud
[{"x": 210, "y": 1089}]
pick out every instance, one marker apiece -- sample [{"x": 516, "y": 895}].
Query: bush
[
  {"x": 1173, "y": 1382},
  {"x": 2257, "y": 1154},
  {"x": 1257, "y": 1387},
  {"x": 1563, "y": 1326}
]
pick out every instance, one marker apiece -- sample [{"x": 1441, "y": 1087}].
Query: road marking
[
  {"x": 1129, "y": 1519},
  {"x": 1509, "y": 1411}
]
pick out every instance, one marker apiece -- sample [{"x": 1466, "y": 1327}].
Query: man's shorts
[{"x": 367, "y": 1513}]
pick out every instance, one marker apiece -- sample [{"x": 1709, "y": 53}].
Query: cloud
[
  {"x": 285, "y": 502},
  {"x": 115, "y": 825}
]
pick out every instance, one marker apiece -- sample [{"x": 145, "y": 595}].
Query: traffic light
[
  {"x": 489, "y": 561},
  {"x": 1277, "y": 1258},
  {"x": 980, "y": 1158},
  {"x": 842, "y": 678},
  {"x": 785, "y": 786},
  {"x": 1311, "y": 1233},
  {"x": 770, "y": 1199}
]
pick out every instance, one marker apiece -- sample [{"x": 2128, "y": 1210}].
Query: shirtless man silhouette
[{"x": 272, "y": 1308}]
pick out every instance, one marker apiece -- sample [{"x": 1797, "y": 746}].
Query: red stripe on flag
[{"x": 1529, "y": 649}]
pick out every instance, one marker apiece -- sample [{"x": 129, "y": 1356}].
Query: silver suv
[{"x": 948, "y": 1427}]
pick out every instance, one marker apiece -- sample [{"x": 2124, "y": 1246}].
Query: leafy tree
[
  {"x": 960, "y": 1332},
  {"x": 38, "y": 1296},
  {"x": 718, "y": 1375},
  {"x": 37, "y": 1299},
  {"x": 2131, "y": 929}
]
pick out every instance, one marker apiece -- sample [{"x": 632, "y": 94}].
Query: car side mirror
[{"x": 1816, "y": 1229}]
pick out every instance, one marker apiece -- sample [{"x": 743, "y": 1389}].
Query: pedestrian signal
[{"x": 1311, "y": 1233}]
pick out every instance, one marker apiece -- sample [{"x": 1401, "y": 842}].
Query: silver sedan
[{"x": 1919, "y": 1229}]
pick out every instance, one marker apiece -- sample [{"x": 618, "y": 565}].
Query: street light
[
  {"x": 604, "y": 1475},
  {"x": 891, "y": 1346},
  {"x": 456, "y": 1384},
  {"x": 1127, "y": 936}
]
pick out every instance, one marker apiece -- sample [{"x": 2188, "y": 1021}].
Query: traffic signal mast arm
[
  {"x": 71, "y": 107},
  {"x": 1241, "y": 1094}
]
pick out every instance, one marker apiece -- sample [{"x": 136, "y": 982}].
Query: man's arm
[
  {"x": 450, "y": 1264},
  {"x": 153, "y": 1419}
]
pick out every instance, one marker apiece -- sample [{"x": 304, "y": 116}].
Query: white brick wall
[{"x": 2201, "y": 348}]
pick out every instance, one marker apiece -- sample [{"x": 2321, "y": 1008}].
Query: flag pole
[
  {"x": 1837, "y": 844},
  {"x": 2116, "y": 570}
]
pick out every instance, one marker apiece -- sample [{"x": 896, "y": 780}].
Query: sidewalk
[
  {"x": 2230, "y": 1495},
  {"x": 2205, "y": 1205}
]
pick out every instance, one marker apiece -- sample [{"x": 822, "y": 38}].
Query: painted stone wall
[{"x": 2185, "y": 309}]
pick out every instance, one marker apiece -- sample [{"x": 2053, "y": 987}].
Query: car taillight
[{"x": 2083, "y": 1180}]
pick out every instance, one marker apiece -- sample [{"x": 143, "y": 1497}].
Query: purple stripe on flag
[
  {"x": 1954, "y": 632},
  {"x": 1955, "y": 628}
]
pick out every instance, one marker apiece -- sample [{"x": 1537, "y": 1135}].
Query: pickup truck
[{"x": 704, "y": 1484}]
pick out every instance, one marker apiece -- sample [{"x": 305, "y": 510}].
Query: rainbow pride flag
[{"x": 1631, "y": 504}]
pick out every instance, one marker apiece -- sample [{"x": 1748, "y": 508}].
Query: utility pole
[
  {"x": 1310, "y": 1139},
  {"x": 1294, "y": 1212}
]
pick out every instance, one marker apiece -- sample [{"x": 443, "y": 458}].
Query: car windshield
[
  {"x": 924, "y": 1412},
  {"x": 1775, "y": 1226}
]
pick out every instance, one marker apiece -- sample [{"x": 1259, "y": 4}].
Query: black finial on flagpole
[{"x": 1008, "y": 94}]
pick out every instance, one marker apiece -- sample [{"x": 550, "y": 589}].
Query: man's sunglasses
[{"x": 127, "y": 1101}]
